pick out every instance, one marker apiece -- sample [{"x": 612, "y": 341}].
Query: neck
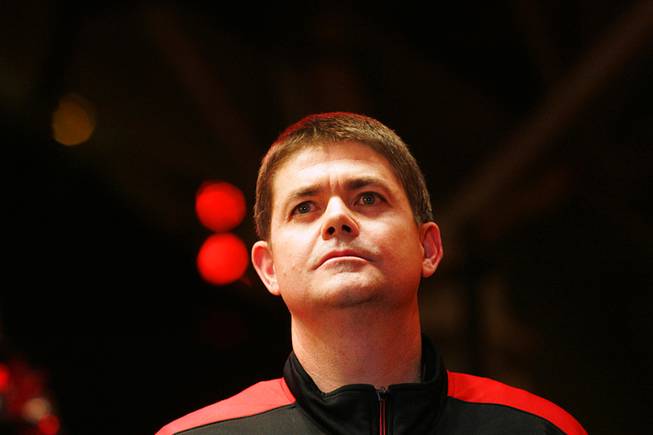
[{"x": 360, "y": 346}]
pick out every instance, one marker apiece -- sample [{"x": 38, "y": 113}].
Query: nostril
[
  {"x": 331, "y": 230},
  {"x": 346, "y": 228}
]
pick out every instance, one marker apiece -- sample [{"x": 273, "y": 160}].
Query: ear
[
  {"x": 432, "y": 247},
  {"x": 264, "y": 265}
]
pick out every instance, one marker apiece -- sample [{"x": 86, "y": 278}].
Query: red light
[
  {"x": 222, "y": 259},
  {"x": 4, "y": 378},
  {"x": 220, "y": 206},
  {"x": 49, "y": 425}
]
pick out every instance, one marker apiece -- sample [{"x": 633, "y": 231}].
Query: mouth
[{"x": 345, "y": 254}]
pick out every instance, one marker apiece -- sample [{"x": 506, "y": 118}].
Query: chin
[{"x": 348, "y": 293}]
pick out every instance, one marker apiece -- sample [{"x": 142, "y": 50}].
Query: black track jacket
[{"x": 444, "y": 403}]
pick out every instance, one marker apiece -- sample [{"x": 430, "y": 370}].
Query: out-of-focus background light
[
  {"x": 25, "y": 401},
  {"x": 49, "y": 425},
  {"x": 73, "y": 121},
  {"x": 220, "y": 206},
  {"x": 36, "y": 408},
  {"x": 222, "y": 259},
  {"x": 4, "y": 378}
]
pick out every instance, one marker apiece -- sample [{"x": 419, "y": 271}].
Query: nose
[{"x": 338, "y": 221}]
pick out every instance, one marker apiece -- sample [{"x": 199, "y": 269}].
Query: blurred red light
[
  {"x": 49, "y": 425},
  {"x": 222, "y": 259},
  {"x": 4, "y": 378},
  {"x": 220, "y": 206}
]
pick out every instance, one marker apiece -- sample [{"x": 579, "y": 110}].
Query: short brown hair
[{"x": 338, "y": 127}]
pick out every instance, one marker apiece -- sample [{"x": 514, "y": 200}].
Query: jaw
[{"x": 337, "y": 290}]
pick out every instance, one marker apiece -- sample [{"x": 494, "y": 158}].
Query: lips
[{"x": 341, "y": 253}]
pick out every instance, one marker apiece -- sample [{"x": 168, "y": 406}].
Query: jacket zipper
[{"x": 381, "y": 394}]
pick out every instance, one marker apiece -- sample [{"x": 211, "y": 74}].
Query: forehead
[{"x": 331, "y": 162}]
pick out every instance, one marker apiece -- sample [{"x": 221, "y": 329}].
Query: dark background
[{"x": 532, "y": 122}]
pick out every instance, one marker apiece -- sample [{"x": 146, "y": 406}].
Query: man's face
[{"x": 343, "y": 233}]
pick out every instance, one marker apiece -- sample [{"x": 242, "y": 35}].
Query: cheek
[
  {"x": 293, "y": 254},
  {"x": 403, "y": 247},
  {"x": 404, "y": 234}
]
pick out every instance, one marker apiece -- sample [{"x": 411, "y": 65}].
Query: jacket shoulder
[
  {"x": 261, "y": 397},
  {"x": 475, "y": 389}
]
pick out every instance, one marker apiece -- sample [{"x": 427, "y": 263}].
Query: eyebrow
[
  {"x": 364, "y": 181},
  {"x": 351, "y": 184}
]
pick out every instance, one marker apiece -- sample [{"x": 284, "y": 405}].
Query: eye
[
  {"x": 303, "y": 208},
  {"x": 369, "y": 198}
]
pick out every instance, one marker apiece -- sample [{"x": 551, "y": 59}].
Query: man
[{"x": 347, "y": 233}]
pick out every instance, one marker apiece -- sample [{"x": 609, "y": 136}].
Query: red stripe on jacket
[
  {"x": 260, "y": 397},
  {"x": 469, "y": 388}
]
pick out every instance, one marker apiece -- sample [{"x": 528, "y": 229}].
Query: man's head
[
  {"x": 340, "y": 127},
  {"x": 338, "y": 224}
]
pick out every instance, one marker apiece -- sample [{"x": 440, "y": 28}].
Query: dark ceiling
[{"x": 530, "y": 119}]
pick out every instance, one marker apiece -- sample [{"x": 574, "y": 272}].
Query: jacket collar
[{"x": 361, "y": 409}]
